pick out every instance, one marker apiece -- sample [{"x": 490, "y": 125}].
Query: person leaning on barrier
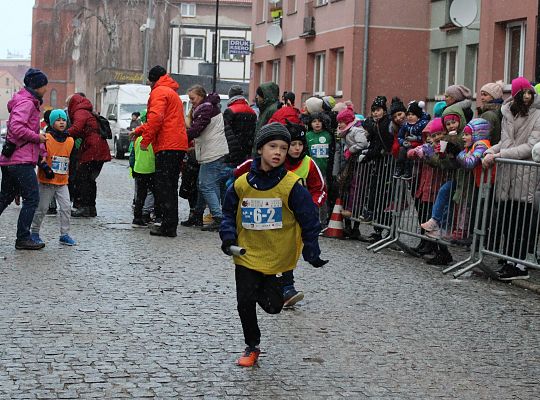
[{"x": 515, "y": 187}]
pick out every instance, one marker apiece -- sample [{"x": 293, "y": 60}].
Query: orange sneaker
[{"x": 249, "y": 358}]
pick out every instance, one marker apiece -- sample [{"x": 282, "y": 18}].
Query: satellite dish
[
  {"x": 274, "y": 35},
  {"x": 463, "y": 12}
]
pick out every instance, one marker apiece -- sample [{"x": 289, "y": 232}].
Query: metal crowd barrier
[{"x": 507, "y": 222}]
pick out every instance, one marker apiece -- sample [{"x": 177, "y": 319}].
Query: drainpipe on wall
[
  {"x": 537, "y": 69},
  {"x": 365, "y": 61}
]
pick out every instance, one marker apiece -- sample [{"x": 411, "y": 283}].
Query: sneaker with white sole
[
  {"x": 430, "y": 225},
  {"x": 510, "y": 272},
  {"x": 67, "y": 240},
  {"x": 291, "y": 297}
]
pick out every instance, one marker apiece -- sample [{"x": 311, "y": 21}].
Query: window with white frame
[
  {"x": 225, "y": 55},
  {"x": 515, "y": 50},
  {"x": 292, "y": 7},
  {"x": 262, "y": 10},
  {"x": 188, "y": 9},
  {"x": 447, "y": 68},
  {"x": 275, "y": 71},
  {"x": 192, "y": 47},
  {"x": 471, "y": 63},
  {"x": 319, "y": 73},
  {"x": 292, "y": 71},
  {"x": 339, "y": 72},
  {"x": 321, "y": 2}
]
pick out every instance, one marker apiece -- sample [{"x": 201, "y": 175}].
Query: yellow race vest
[{"x": 266, "y": 227}]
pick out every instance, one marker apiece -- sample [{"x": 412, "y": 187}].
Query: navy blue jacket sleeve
[
  {"x": 307, "y": 215},
  {"x": 227, "y": 230}
]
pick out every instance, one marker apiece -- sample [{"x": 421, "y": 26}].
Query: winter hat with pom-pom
[
  {"x": 396, "y": 106},
  {"x": 34, "y": 78},
  {"x": 414, "y": 108},
  {"x": 478, "y": 128},
  {"x": 314, "y": 104},
  {"x": 494, "y": 89}
]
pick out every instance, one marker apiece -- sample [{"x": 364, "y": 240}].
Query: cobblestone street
[{"x": 129, "y": 315}]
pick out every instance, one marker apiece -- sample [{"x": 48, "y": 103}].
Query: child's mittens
[
  {"x": 226, "y": 246},
  {"x": 412, "y": 153},
  {"x": 318, "y": 263},
  {"x": 411, "y": 138},
  {"x": 427, "y": 150},
  {"x": 347, "y": 154},
  {"x": 49, "y": 173}
]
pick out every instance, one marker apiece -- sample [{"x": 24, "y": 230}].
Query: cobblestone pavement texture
[{"x": 128, "y": 315}]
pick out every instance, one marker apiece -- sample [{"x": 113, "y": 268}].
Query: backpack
[{"x": 104, "y": 126}]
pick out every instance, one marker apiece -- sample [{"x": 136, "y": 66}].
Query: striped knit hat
[{"x": 479, "y": 129}]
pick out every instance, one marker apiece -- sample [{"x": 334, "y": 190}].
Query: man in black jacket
[{"x": 240, "y": 120}]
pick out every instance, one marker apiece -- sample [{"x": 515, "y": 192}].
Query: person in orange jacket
[{"x": 165, "y": 129}]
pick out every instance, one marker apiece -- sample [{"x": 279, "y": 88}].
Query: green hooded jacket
[{"x": 267, "y": 107}]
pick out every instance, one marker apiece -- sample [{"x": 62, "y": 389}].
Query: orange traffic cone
[{"x": 335, "y": 225}]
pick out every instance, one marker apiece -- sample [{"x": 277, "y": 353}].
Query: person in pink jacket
[{"x": 21, "y": 154}]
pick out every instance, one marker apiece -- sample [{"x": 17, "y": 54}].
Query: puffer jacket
[
  {"x": 23, "y": 128},
  {"x": 165, "y": 126},
  {"x": 208, "y": 130},
  {"x": 240, "y": 120},
  {"x": 518, "y": 136},
  {"x": 84, "y": 125},
  {"x": 379, "y": 137},
  {"x": 286, "y": 113}
]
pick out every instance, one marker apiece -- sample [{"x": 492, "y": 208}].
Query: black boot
[
  {"x": 347, "y": 230},
  {"x": 193, "y": 220},
  {"x": 425, "y": 247},
  {"x": 81, "y": 212},
  {"x": 212, "y": 227},
  {"x": 92, "y": 211},
  {"x": 442, "y": 257},
  {"x": 355, "y": 231}
]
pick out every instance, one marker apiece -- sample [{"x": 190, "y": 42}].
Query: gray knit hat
[
  {"x": 273, "y": 131},
  {"x": 235, "y": 90}
]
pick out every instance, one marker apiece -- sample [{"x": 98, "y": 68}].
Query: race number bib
[
  {"x": 319, "y": 150},
  {"x": 60, "y": 165},
  {"x": 262, "y": 214}
]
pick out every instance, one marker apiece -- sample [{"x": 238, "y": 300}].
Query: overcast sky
[{"x": 16, "y": 27}]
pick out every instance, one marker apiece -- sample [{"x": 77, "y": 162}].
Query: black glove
[
  {"x": 318, "y": 263},
  {"x": 49, "y": 173},
  {"x": 226, "y": 246}
]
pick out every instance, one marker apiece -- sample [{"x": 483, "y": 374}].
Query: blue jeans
[
  {"x": 20, "y": 180},
  {"x": 442, "y": 202},
  {"x": 211, "y": 181}
]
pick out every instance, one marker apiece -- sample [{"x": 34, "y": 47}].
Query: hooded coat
[
  {"x": 455, "y": 142},
  {"x": 268, "y": 106},
  {"x": 491, "y": 112},
  {"x": 165, "y": 126},
  {"x": 518, "y": 137},
  {"x": 240, "y": 120},
  {"x": 23, "y": 128},
  {"x": 84, "y": 125}
]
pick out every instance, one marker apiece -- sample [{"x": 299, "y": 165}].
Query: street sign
[{"x": 241, "y": 47}]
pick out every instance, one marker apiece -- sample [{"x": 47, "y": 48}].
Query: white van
[
  {"x": 118, "y": 102},
  {"x": 223, "y": 100}
]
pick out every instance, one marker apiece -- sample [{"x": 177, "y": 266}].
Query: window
[
  {"x": 515, "y": 50},
  {"x": 318, "y": 74},
  {"x": 262, "y": 10},
  {"x": 321, "y": 2},
  {"x": 188, "y": 9},
  {"x": 225, "y": 55},
  {"x": 275, "y": 71},
  {"x": 291, "y": 72},
  {"x": 471, "y": 60},
  {"x": 339, "y": 72},
  {"x": 192, "y": 47},
  {"x": 292, "y": 7},
  {"x": 54, "y": 98},
  {"x": 447, "y": 68}
]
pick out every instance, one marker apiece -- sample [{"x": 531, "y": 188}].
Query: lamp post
[
  {"x": 147, "y": 28},
  {"x": 215, "y": 49}
]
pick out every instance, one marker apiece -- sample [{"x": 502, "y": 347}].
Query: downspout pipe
[{"x": 365, "y": 56}]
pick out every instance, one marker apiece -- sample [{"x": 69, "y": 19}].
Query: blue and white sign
[
  {"x": 262, "y": 214},
  {"x": 241, "y": 47}
]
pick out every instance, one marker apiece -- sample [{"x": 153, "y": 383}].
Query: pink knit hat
[
  {"x": 520, "y": 84},
  {"x": 436, "y": 126},
  {"x": 346, "y": 116}
]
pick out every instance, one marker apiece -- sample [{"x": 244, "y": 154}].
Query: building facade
[
  {"x": 101, "y": 42},
  {"x": 192, "y": 35},
  {"x": 319, "y": 47},
  {"x": 9, "y": 85}
]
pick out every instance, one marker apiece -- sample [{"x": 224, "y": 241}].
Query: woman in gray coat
[{"x": 516, "y": 185}]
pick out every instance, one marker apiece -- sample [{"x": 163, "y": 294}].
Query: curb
[{"x": 533, "y": 287}]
